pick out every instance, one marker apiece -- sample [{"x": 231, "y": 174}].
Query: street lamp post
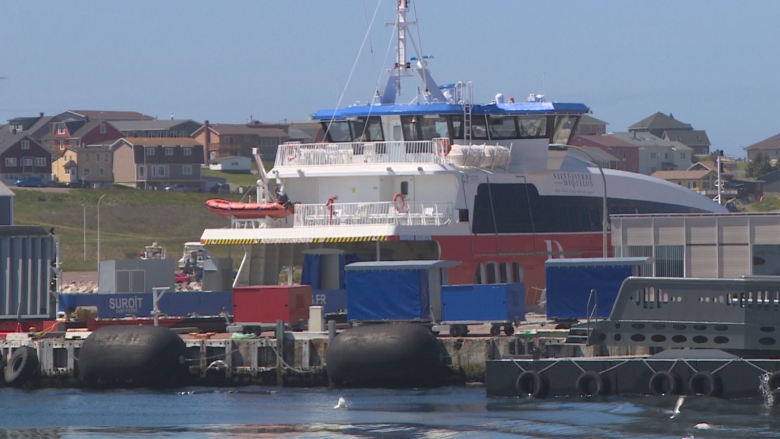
[
  {"x": 98, "y": 231},
  {"x": 85, "y": 231},
  {"x": 604, "y": 201}
]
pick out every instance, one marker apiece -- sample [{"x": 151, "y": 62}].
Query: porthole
[
  {"x": 638, "y": 325},
  {"x": 700, "y": 327},
  {"x": 679, "y": 339},
  {"x": 617, "y": 325},
  {"x": 721, "y": 327},
  {"x": 700, "y": 339},
  {"x": 602, "y": 337},
  {"x": 721, "y": 339},
  {"x": 638, "y": 338},
  {"x": 659, "y": 326},
  {"x": 767, "y": 329},
  {"x": 679, "y": 327},
  {"x": 618, "y": 337},
  {"x": 767, "y": 341},
  {"x": 658, "y": 338}
]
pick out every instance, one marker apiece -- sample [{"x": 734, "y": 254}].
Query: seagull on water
[{"x": 342, "y": 404}]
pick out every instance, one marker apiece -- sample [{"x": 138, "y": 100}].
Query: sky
[{"x": 712, "y": 64}]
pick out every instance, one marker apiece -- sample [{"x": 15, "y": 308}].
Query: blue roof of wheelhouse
[{"x": 508, "y": 108}]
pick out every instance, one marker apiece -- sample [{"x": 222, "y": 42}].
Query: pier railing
[
  {"x": 382, "y": 213},
  {"x": 326, "y": 154}
]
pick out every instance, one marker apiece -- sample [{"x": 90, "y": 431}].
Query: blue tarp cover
[
  {"x": 488, "y": 302},
  {"x": 112, "y": 306},
  {"x": 568, "y": 289},
  {"x": 388, "y": 295}
]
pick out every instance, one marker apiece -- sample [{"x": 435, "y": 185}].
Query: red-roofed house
[{"x": 626, "y": 153}]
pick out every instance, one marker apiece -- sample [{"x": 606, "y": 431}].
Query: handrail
[
  {"x": 379, "y": 213},
  {"x": 354, "y": 153},
  {"x": 595, "y": 296}
]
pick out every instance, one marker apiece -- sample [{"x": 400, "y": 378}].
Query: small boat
[{"x": 239, "y": 210}]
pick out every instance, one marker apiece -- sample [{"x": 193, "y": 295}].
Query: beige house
[
  {"x": 156, "y": 163},
  {"x": 93, "y": 165}
]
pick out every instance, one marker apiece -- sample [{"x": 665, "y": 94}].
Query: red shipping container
[{"x": 269, "y": 303}]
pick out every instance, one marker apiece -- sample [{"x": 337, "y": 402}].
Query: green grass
[{"x": 129, "y": 220}]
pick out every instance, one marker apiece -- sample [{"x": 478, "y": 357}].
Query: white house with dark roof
[
  {"x": 673, "y": 130},
  {"x": 770, "y": 148},
  {"x": 157, "y": 128},
  {"x": 657, "y": 154}
]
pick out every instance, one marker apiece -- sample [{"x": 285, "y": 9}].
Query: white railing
[
  {"x": 325, "y": 154},
  {"x": 383, "y": 213}
]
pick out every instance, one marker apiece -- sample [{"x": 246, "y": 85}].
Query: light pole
[
  {"x": 98, "y": 231},
  {"x": 85, "y": 231},
  {"x": 604, "y": 201}
]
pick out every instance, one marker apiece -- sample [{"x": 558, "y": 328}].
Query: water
[{"x": 452, "y": 412}]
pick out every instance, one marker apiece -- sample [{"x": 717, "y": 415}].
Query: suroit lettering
[{"x": 125, "y": 304}]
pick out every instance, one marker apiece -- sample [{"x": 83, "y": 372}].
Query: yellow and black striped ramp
[{"x": 297, "y": 240}]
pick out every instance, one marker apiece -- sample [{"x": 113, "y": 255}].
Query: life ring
[
  {"x": 444, "y": 148},
  {"x": 773, "y": 382},
  {"x": 531, "y": 383},
  {"x": 401, "y": 207},
  {"x": 591, "y": 384},
  {"x": 292, "y": 153},
  {"x": 705, "y": 383},
  {"x": 22, "y": 366},
  {"x": 665, "y": 383}
]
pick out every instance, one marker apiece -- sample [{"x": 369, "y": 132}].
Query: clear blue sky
[{"x": 712, "y": 64}]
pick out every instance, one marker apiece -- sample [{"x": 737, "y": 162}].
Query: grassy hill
[{"x": 129, "y": 220}]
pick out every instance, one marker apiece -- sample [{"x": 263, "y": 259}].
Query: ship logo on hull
[{"x": 550, "y": 243}]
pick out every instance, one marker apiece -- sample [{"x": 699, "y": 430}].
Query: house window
[
  {"x": 105, "y": 157},
  {"x": 624, "y": 153},
  {"x": 60, "y": 129},
  {"x": 666, "y": 156},
  {"x": 186, "y": 169},
  {"x": 62, "y": 145},
  {"x": 74, "y": 143},
  {"x": 25, "y": 144},
  {"x": 246, "y": 139},
  {"x": 40, "y": 161},
  {"x": 187, "y": 151},
  {"x": 689, "y": 185},
  {"x": 10, "y": 162},
  {"x": 86, "y": 172},
  {"x": 598, "y": 129},
  {"x": 102, "y": 172},
  {"x": 160, "y": 171},
  {"x": 229, "y": 140},
  {"x": 652, "y": 155},
  {"x": 168, "y": 151},
  {"x": 27, "y": 162},
  {"x": 682, "y": 155},
  {"x": 632, "y": 152},
  {"x": 141, "y": 172},
  {"x": 86, "y": 157},
  {"x": 67, "y": 171},
  {"x": 97, "y": 157},
  {"x": 102, "y": 128},
  {"x": 149, "y": 151}
]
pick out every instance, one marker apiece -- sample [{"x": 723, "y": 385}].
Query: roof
[
  {"x": 605, "y": 140},
  {"x": 41, "y": 127},
  {"x": 596, "y": 154},
  {"x": 231, "y": 157},
  {"x": 244, "y": 130},
  {"x": 399, "y": 265},
  {"x": 146, "y": 125},
  {"x": 770, "y": 143},
  {"x": 87, "y": 127},
  {"x": 8, "y": 139},
  {"x": 5, "y": 191},
  {"x": 695, "y": 174},
  {"x": 112, "y": 115},
  {"x": 648, "y": 140},
  {"x": 710, "y": 164},
  {"x": 688, "y": 137},
  {"x": 590, "y": 120},
  {"x": 160, "y": 141},
  {"x": 659, "y": 121}
]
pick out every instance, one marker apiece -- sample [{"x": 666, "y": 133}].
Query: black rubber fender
[
  {"x": 705, "y": 383},
  {"x": 591, "y": 383},
  {"x": 22, "y": 366},
  {"x": 665, "y": 383},
  {"x": 531, "y": 383},
  {"x": 774, "y": 381}
]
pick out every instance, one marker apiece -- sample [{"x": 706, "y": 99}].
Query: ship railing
[
  {"x": 380, "y": 213},
  {"x": 359, "y": 153}
]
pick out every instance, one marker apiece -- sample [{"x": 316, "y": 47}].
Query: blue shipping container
[
  {"x": 114, "y": 306},
  {"x": 331, "y": 301},
  {"x": 488, "y": 303}
]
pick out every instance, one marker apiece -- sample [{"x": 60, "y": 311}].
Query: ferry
[{"x": 441, "y": 177}]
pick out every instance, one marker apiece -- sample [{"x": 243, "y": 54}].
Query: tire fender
[
  {"x": 591, "y": 383},
  {"x": 532, "y": 384},
  {"x": 705, "y": 383},
  {"x": 22, "y": 366},
  {"x": 665, "y": 383}
]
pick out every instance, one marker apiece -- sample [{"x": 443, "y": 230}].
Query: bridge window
[
  {"x": 564, "y": 126},
  {"x": 502, "y": 127},
  {"x": 532, "y": 126},
  {"x": 434, "y": 125}
]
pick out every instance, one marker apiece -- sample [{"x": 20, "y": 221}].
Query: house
[
  {"x": 231, "y": 164},
  {"x": 21, "y": 156},
  {"x": 672, "y": 130},
  {"x": 93, "y": 165},
  {"x": 101, "y": 115},
  {"x": 770, "y": 148},
  {"x": 626, "y": 153},
  {"x": 78, "y": 134},
  {"x": 591, "y": 125},
  {"x": 656, "y": 154},
  {"x": 156, "y": 128},
  {"x": 596, "y": 155},
  {"x": 697, "y": 180},
  {"x": 154, "y": 163},
  {"x": 225, "y": 140}
]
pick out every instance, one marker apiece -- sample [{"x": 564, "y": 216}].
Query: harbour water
[{"x": 452, "y": 412}]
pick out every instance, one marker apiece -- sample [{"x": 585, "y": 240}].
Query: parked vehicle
[
  {"x": 77, "y": 184},
  {"x": 30, "y": 182},
  {"x": 179, "y": 187}
]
